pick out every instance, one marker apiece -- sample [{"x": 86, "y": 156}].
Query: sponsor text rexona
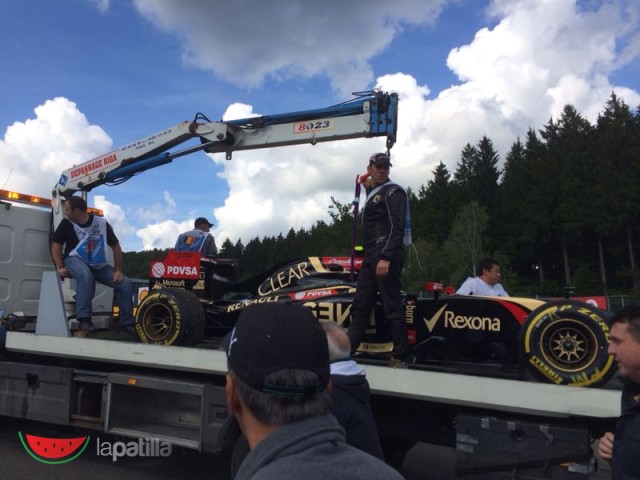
[
  {"x": 462, "y": 322},
  {"x": 143, "y": 447},
  {"x": 472, "y": 323}
]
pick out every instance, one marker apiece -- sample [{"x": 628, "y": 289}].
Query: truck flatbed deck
[{"x": 498, "y": 394}]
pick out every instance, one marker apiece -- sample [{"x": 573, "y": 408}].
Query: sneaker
[
  {"x": 397, "y": 363},
  {"x": 129, "y": 330},
  {"x": 86, "y": 325},
  {"x": 404, "y": 362}
]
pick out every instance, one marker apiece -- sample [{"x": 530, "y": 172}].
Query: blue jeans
[{"x": 86, "y": 278}]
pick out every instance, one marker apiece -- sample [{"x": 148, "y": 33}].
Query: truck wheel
[
  {"x": 170, "y": 317},
  {"x": 565, "y": 343},
  {"x": 395, "y": 450}
]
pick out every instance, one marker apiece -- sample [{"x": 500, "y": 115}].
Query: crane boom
[{"x": 370, "y": 114}]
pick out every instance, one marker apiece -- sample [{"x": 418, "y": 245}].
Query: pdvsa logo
[
  {"x": 157, "y": 270},
  {"x": 313, "y": 294},
  {"x": 181, "y": 270}
]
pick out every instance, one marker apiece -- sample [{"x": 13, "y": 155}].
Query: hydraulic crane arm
[{"x": 370, "y": 114}]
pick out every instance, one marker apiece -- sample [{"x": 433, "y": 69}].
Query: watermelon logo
[{"x": 53, "y": 450}]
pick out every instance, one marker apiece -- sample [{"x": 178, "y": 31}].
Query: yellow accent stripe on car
[
  {"x": 528, "y": 332},
  {"x": 317, "y": 265}
]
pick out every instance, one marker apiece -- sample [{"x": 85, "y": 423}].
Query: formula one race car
[{"x": 563, "y": 342}]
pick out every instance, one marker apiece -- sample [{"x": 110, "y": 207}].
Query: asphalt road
[
  {"x": 423, "y": 462},
  {"x": 16, "y": 464}
]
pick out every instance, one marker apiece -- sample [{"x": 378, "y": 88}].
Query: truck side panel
[
  {"x": 35, "y": 392},
  {"x": 186, "y": 411},
  {"x": 24, "y": 236}
]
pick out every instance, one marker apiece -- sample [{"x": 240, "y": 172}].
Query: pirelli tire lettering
[
  {"x": 170, "y": 316},
  {"x": 566, "y": 343}
]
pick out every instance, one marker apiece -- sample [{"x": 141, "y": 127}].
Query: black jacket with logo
[{"x": 383, "y": 221}]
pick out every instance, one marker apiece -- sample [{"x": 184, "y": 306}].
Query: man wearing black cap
[
  {"x": 278, "y": 389},
  {"x": 198, "y": 240},
  {"x": 385, "y": 232}
]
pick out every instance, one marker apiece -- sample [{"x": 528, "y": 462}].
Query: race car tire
[
  {"x": 565, "y": 342},
  {"x": 170, "y": 317}
]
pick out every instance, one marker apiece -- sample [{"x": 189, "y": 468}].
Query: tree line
[{"x": 560, "y": 216}]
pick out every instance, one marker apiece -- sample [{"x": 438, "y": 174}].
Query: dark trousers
[
  {"x": 625, "y": 464},
  {"x": 365, "y": 299}
]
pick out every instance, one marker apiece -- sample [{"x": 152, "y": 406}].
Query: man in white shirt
[{"x": 486, "y": 281}]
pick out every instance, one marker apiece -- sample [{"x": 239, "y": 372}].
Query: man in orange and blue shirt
[{"x": 198, "y": 240}]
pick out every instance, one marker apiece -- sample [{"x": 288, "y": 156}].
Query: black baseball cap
[
  {"x": 274, "y": 336},
  {"x": 379, "y": 159},
  {"x": 200, "y": 220}
]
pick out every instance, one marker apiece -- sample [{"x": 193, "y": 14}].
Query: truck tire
[
  {"x": 395, "y": 450},
  {"x": 170, "y": 317},
  {"x": 565, "y": 342}
]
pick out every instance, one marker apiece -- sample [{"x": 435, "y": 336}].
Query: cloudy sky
[{"x": 80, "y": 78}]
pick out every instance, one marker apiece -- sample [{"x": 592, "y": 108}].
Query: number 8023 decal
[{"x": 313, "y": 126}]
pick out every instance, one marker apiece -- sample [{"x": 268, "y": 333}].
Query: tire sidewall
[
  {"x": 532, "y": 337},
  {"x": 164, "y": 299}
]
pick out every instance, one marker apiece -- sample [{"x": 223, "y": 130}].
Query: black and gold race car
[{"x": 192, "y": 300}]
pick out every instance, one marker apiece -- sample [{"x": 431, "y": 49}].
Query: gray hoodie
[{"x": 312, "y": 449}]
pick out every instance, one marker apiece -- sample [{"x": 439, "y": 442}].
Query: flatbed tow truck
[{"x": 500, "y": 427}]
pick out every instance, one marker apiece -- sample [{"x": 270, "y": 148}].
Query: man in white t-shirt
[{"x": 485, "y": 282}]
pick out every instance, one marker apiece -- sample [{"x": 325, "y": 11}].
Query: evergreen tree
[
  {"x": 476, "y": 178},
  {"x": 238, "y": 249},
  {"x": 227, "y": 249},
  {"x": 615, "y": 207},
  {"x": 433, "y": 217},
  {"x": 462, "y": 178},
  {"x": 568, "y": 168},
  {"x": 511, "y": 202},
  {"x": 486, "y": 173}
]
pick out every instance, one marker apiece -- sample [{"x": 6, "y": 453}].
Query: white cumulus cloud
[
  {"x": 250, "y": 41},
  {"x": 36, "y": 151}
]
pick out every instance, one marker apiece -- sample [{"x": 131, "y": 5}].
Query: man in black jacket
[
  {"x": 350, "y": 393},
  {"x": 384, "y": 222},
  {"x": 622, "y": 447}
]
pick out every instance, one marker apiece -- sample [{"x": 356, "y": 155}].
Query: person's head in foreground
[
  {"x": 278, "y": 365},
  {"x": 625, "y": 342}
]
